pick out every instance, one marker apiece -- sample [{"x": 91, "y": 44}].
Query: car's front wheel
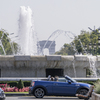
[
  {"x": 83, "y": 92},
  {"x": 39, "y": 93}
]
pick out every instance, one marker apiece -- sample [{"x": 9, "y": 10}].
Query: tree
[
  {"x": 6, "y": 42},
  {"x": 80, "y": 43},
  {"x": 67, "y": 49},
  {"x": 20, "y": 84}
]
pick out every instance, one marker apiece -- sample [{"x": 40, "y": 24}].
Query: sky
[{"x": 52, "y": 15}]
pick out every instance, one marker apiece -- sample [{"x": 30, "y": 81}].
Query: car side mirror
[{"x": 69, "y": 81}]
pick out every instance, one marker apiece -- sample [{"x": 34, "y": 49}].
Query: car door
[{"x": 64, "y": 88}]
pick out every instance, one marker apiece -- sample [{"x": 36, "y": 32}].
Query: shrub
[
  {"x": 27, "y": 83},
  {"x": 12, "y": 83},
  {"x": 20, "y": 84},
  {"x": 4, "y": 85},
  {"x": 3, "y": 82},
  {"x": 7, "y": 88},
  {"x": 97, "y": 87},
  {"x": 15, "y": 83},
  {"x": 89, "y": 82}
]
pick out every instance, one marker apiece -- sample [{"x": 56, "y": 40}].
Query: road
[{"x": 45, "y": 98}]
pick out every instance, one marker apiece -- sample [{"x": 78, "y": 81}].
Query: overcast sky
[{"x": 51, "y": 15}]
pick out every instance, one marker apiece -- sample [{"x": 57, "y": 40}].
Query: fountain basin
[{"x": 38, "y": 66}]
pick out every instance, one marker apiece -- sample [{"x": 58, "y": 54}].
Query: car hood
[{"x": 84, "y": 84}]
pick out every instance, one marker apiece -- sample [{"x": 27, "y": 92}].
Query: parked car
[
  {"x": 2, "y": 95},
  {"x": 65, "y": 86}
]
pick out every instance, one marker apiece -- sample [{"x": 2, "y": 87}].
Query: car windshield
[{"x": 69, "y": 78}]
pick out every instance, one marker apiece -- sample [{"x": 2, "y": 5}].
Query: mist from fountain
[
  {"x": 92, "y": 62},
  {"x": 2, "y": 44},
  {"x": 28, "y": 37},
  {"x": 74, "y": 67}
]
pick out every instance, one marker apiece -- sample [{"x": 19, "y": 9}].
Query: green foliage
[
  {"x": 97, "y": 87},
  {"x": 85, "y": 38},
  {"x": 3, "y": 82},
  {"x": 6, "y": 42},
  {"x": 27, "y": 83},
  {"x": 15, "y": 83},
  {"x": 89, "y": 82},
  {"x": 12, "y": 83},
  {"x": 66, "y": 50},
  {"x": 20, "y": 84}
]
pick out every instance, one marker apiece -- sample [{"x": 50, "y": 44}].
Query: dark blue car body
[{"x": 63, "y": 87}]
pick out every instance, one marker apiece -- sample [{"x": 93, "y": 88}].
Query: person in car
[
  {"x": 56, "y": 78},
  {"x": 52, "y": 78}
]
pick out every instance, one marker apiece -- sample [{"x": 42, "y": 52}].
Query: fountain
[
  {"x": 28, "y": 41},
  {"x": 29, "y": 45},
  {"x": 28, "y": 37}
]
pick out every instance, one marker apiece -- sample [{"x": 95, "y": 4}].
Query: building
[{"x": 50, "y": 45}]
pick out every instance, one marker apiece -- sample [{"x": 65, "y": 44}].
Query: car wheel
[
  {"x": 83, "y": 92},
  {"x": 39, "y": 93}
]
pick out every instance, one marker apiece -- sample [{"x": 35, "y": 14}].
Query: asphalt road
[{"x": 45, "y": 98}]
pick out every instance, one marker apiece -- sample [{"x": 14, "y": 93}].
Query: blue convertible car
[{"x": 63, "y": 87}]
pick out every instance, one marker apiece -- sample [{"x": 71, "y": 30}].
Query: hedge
[
  {"x": 15, "y": 83},
  {"x": 89, "y": 82}
]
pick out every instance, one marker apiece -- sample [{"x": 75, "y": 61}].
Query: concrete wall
[{"x": 35, "y": 66}]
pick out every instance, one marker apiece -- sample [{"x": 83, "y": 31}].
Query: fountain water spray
[
  {"x": 92, "y": 61},
  {"x": 74, "y": 67},
  {"x": 55, "y": 34},
  {"x": 28, "y": 37},
  {"x": 2, "y": 44}
]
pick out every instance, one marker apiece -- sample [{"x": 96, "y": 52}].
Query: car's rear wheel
[
  {"x": 83, "y": 92},
  {"x": 39, "y": 93}
]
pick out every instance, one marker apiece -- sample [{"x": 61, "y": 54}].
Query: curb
[
  {"x": 16, "y": 94},
  {"x": 95, "y": 96}
]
